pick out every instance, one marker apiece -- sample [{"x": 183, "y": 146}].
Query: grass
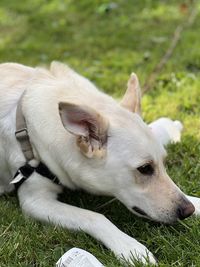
[{"x": 106, "y": 46}]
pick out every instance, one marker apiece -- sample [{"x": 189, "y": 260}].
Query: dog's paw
[
  {"x": 129, "y": 248},
  {"x": 196, "y": 202}
]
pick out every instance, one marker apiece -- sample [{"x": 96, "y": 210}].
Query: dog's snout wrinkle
[{"x": 185, "y": 210}]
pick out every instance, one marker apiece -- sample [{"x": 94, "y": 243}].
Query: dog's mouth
[{"x": 140, "y": 211}]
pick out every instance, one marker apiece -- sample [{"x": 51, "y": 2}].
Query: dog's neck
[
  {"x": 22, "y": 136},
  {"x": 21, "y": 132}
]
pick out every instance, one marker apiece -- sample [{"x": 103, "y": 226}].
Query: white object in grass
[
  {"x": 77, "y": 257},
  {"x": 166, "y": 130}
]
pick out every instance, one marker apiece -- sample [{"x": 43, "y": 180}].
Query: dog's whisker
[{"x": 106, "y": 203}]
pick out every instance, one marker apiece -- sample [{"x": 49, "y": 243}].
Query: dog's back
[{"x": 13, "y": 79}]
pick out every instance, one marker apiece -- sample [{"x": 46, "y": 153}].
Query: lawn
[{"x": 106, "y": 42}]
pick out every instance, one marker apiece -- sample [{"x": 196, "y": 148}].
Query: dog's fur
[{"x": 90, "y": 142}]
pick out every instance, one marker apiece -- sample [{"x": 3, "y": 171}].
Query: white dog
[{"x": 88, "y": 141}]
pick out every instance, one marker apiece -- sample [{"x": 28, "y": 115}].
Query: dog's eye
[{"x": 146, "y": 169}]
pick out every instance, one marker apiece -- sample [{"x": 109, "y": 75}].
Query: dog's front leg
[
  {"x": 38, "y": 199},
  {"x": 196, "y": 202}
]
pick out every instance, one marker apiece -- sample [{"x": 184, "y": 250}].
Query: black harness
[{"x": 26, "y": 171}]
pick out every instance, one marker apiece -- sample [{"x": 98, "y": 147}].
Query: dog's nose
[{"x": 185, "y": 210}]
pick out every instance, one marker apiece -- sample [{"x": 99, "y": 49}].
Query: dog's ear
[
  {"x": 132, "y": 97},
  {"x": 89, "y": 127},
  {"x": 59, "y": 69}
]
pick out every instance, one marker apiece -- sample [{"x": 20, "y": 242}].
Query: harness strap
[
  {"x": 21, "y": 133},
  {"x": 26, "y": 170}
]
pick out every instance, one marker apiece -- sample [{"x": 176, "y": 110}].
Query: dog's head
[{"x": 120, "y": 156}]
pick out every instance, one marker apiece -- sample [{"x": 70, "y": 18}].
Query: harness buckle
[
  {"x": 17, "y": 178},
  {"x": 21, "y": 134}
]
